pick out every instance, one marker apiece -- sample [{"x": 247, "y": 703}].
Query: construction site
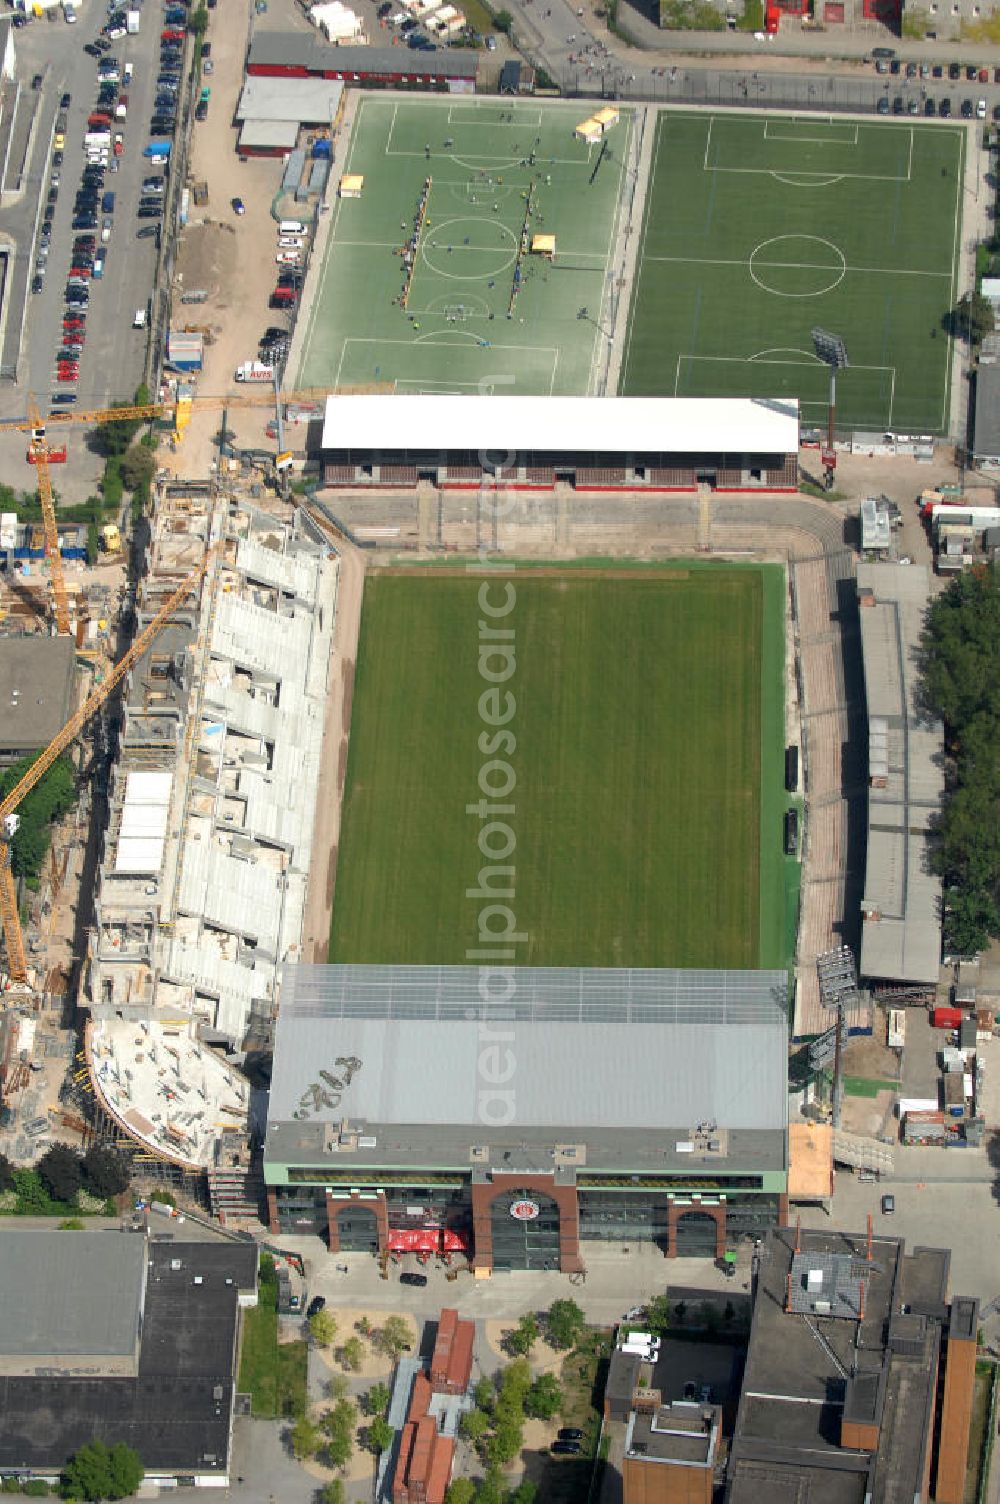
[{"x": 141, "y": 970}]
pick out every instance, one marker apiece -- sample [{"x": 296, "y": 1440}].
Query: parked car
[
  {"x": 570, "y": 1433},
  {"x": 888, "y": 1205},
  {"x": 317, "y": 1304},
  {"x": 37, "y": 282},
  {"x": 883, "y": 105},
  {"x": 944, "y": 108},
  {"x": 417, "y": 1280},
  {"x": 565, "y": 1448}
]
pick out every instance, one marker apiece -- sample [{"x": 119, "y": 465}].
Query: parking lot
[{"x": 112, "y": 358}]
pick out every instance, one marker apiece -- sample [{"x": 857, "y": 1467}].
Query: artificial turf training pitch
[
  {"x": 479, "y": 316},
  {"x": 758, "y": 229},
  {"x": 647, "y": 810}
]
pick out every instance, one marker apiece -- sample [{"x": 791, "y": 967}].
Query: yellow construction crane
[
  {"x": 40, "y": 451},
  {"x": 17, "y": 962},
  {"x": 262, "y": 397}
]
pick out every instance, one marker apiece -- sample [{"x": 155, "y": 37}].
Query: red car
[
  {"x": 69, "y": 375},
  {"x": 99, "y": 121},
  {"x": 119, "y": 143},
  {"x": 73, "y": 326},
  {"x": 80, "y": 271},
  {"x": 171, "y": 34}
]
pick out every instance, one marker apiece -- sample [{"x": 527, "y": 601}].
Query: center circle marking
[
  {"x": 811, "y": 253},
  {"x": 490, "y": 260}
]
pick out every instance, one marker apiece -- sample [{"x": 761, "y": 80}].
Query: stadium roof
[
  {"x": 293, "y": 49},
  {"x": 619, "y": 425},
  {"x": 597, "y": 1049},
  {"x": 901, "y": 932},
  {"x": 68, "y": 1295},
  {"x": 36, "y": 685}
]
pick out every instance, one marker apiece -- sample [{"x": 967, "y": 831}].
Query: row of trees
[
  {"x": 62, "y": 1174},
  {"x": 48, "y": 801},
  {"x": 331, "y": 1435},
  {"x": 495, "y": 1427},
  {"x": 960, "y": 682}
]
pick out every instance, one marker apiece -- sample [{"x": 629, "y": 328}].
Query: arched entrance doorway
[
  {"x": 696, "y": 1236},
  {"x": 525, "y": 1228},
  {"x": 357, "y": 1229}
]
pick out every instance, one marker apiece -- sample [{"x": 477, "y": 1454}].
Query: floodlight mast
[{"x": 830, "y": 349}]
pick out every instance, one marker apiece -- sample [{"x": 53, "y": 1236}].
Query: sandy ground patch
[
  {"x": 543, "y": 1359},
  {"x": 361, "y": 1467},
  {"x": 375, "y": 1364}
]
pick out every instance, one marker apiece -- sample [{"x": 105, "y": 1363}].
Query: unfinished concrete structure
[{"x": 205, "y": 859}]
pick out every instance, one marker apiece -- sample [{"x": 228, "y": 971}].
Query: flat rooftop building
[
  {"x": 841, "y": 1385},
  {"x": 36, "y": 693},
  {"x": 647, "y": 1104},
  {"x": 107, "y": 1336}
]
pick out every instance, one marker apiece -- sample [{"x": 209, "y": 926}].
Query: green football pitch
[
  {"x": 482, "y": 312},
  {"x": 757, "y": 230},
  {"x": 646, "y": 740}
]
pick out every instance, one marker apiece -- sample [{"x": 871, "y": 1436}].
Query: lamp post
[{"x": 830, "y": 349}]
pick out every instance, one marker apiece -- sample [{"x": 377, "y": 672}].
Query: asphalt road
[{"x": 112, "y": 361}]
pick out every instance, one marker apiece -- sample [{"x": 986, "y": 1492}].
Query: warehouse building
[
  {"x": 280, "y": 54},
  {"x": 107, "y": 1337},
  {"x": 843, "y": 1397},
  {"x": 273, "y": 111},
  {"x": 592, "y": 443},
  {"x": 901, "y": 908},
  {"x": 409, "y": 1111}
]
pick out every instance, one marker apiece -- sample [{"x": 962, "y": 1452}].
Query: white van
[
  {"x": 139, "y": 322},
  {"x": 291, "y": 227}
]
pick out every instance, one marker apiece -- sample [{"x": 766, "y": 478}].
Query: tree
[
  {"x": 332, "y": 1492},
  {"x": 971, "y": 319},
  {"x": 524, "y": 1493},
  {"x": 70, "y": 1224},
  {"x": 514, "y": 1384},
  {"x": 460, "y": 1491},
  {"x": 198, "y": 22},
  {"x": 503, "y": 21},
  {"x": 507, "y": 1438},
  {"x": 959, "y": 662},
  {"x": 524, "y": 1336},
  {"x": 322, "y": 1329},
  {"x": 114, "y": 437},
  {"x": 61, "y": 1172},
  {"x": 474, "y": 1425},
  {"x": 352, "y": 1355},
  {"x": 377, "y": 1399},
  {"x": 491, "y": 1490},
  {"x": 97, "y": 1471},
  {"x": 378, "y": 1436},
  {"x": 105, "y": 1173},
  {"x": 338, "y": 1388},
  {"x": 544, "y": 1398},
  {"x": 658, "y": 1316},
  {"x": 394, "y": 1338},
  {"x": 340, "y": 1450},
  {"x": 306, "y": 1438},
  {"x": 564, "y": 1323},
  {"x": 6, "y": 1174},
  {"x": 138, "y": 466},
  {"x": 484, "y": 1394},
  {"x": 363, "y": 1326}
]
